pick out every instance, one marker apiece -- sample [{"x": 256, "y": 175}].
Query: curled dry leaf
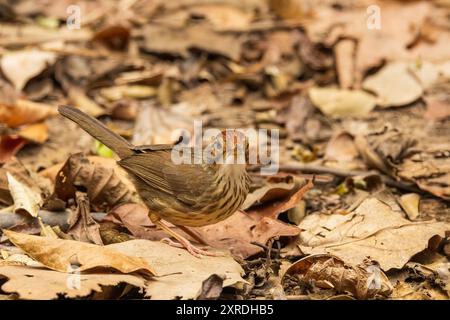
[
  {"x": 385, "y": 150},
  {"x": 372, "y": 230},
  {"x": 342, "y": 103},
  {"x": 273, "y": 188},
  {"x": 272, "y": 210},
  {"x": 102, "y": 183},
  {"x": 430, "y": 170},
  {"x": 21, "y": 66},
  {"x": 60, "y": 255},
  {"x": 211, "y": 288},
  {"x": 27, "y": 197},
  {"x": 42, "y": 284},
  {"x": 82, "y": 225},
  {"x": 394, "y": 85},
  {"x": 20, "y": 173},
  {"x": 364, "y": 281}
]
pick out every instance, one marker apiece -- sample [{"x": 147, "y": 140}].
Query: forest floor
[{"x": 357, "y": 92}]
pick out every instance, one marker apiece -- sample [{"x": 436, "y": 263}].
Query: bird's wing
[{"x": 181, "y": 181}]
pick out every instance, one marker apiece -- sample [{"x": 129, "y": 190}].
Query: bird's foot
[{"x": 186, "y": 244}]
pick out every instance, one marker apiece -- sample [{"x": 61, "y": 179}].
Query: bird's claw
[{"x": 195, "y": 251}]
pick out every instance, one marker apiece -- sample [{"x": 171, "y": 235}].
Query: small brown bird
[{"x": 184, "y": 194}]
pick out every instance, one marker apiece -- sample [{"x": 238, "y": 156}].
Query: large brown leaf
[
  {"x": 373, "y": 230},
  {"x": 42, "y": 284},
  {"x": 60, "y": 255}
]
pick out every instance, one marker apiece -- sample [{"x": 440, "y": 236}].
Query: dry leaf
[
  {"x": 27, "y": 198},
  {"x": 97, "y": 177},
  {"x": 18, "y": 259},
  {"x": 364, "y": 281},
  {"x": 13, "y": 140},
  {"x": 211, "y": 288},
  {"x": 46, "y": 230},
  {"x": 341, "y": 103},
  {"x": 272, "y": 189},
  {"x": 385, "y": 150},
  {"x": 10, "y": 146},
  {"x": 86, "y": 104},
  {"x": 394, "y": 85},
  {"x": 37, "y": 133},
  {"x": 341, "y": 151},
  {"x": 400, "y": 25},
  {"x": 41, "y": 284},
  {"x": 60, "y": 255},
  {"x": 81, "y": 224},
  {"x": 373, "y": 230},
  {"x": 20, "y": 173},
  {"x": 156, "y": 125},
  {"x": 430, "y": 170},
  {"x": 134, "y": 217},
  {"x": 24, "y": 112},
  {"x": 182, "y": 274},
  {"x": 258, "y": 225},
  {"x": 272, "y": 210},
  {"x": 410, "y": 203},
  {"x": 21, "y": 66},
  {"x": 427, "y": 73},
  {"x": 178, "y": 41}
]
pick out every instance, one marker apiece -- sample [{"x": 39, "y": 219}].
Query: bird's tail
[{"x": 96, "y": 129}]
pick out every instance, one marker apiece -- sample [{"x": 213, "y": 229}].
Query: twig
[
  {"x": 255, "y": 243},
  {"x": 308, "y": 168}
]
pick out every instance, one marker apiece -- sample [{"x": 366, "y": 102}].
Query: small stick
[{"x": 308, "y": 168}]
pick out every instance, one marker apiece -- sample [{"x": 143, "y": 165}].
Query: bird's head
[{"x": 230, "y": 146}]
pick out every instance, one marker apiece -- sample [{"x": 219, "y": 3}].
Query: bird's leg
[
  {"x": 192, "y": 234},
  {"x": 183, "y": 242}
]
